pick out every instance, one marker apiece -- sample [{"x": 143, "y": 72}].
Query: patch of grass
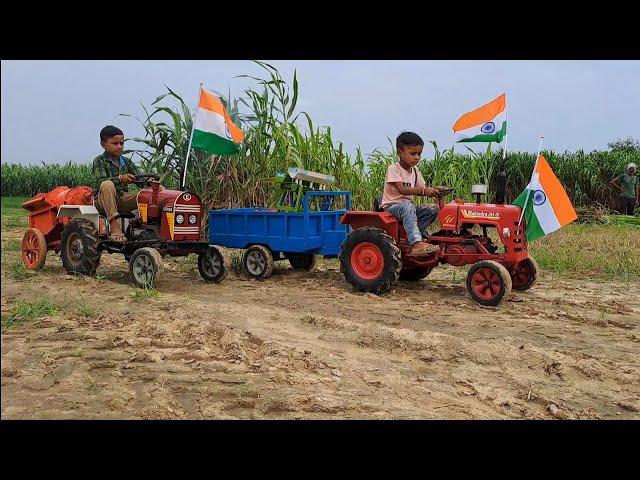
[
  {"x": 592, "y": 250},
  {"x": 12, "y": 203},
  {"x": 24, "y": 310},
  {"x": 142, "y": 294},
  {"x": 16, "y": 270},
  {"x": 84, "y": 309},
  {"x": 188, "y": 263},
  {"x": 236, "y": 261},
  {"x": 12, "y": 245},
  {"x": 14, "y": 221}
]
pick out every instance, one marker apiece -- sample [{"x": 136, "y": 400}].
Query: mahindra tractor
[
  {"x": 168, "y": 223},
  {"x": 376, "y": 253}
]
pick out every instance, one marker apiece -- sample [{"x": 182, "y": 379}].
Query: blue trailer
[{"x": 270, "y": 234}]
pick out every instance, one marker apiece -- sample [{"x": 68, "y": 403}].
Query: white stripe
[
  {"x": 211, "y": 122},
  {"x": 545, "y": 214},
  {"x": 498, "y": 120}
]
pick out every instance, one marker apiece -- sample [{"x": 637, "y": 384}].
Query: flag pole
[
  {"x": 193, "y": 125},
  {"x": 526, "y": 199},
  {"x": 506, "y": 135}
]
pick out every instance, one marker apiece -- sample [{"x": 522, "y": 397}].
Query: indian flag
[
  {"x": 547, "y": 205},
  {"x": 213, "y": 129},
  {"x": 485, "y": 124}
]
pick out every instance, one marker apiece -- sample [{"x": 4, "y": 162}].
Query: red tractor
[
  {"x": 376, "y": 253},
  {"x": 65, "y": 220}
]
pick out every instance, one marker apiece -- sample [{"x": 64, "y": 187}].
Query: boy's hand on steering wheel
[
  {"x": 127, "y": 178},
  {"x": 430, "y": 191}
]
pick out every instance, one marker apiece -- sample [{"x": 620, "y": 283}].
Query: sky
[{"x": 52, "y": 111}]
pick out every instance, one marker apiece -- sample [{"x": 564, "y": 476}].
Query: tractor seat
[{"x": 376, "y": 204}]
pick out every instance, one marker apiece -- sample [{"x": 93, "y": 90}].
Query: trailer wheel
[
  {"x": 257, "y": 262},
  {"x": 211, "y": 265},
  {"x": 303, "y": 262},
  {"x": 145, "y": 267},
  {"x": 79, "y": 247},
  {"x": 34, "y": 249},
  {"x": 524, "y": 274},
  {"x": 370, "y": 260},
  {"x": 488, "y": 282}
]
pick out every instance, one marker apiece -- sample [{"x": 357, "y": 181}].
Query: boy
[
  {"x": 113, "y": 174},
  {"x": 629, "y": 185},
  {"x": 403, "y": 180}
]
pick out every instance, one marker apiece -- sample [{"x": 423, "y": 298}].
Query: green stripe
[
  {"x": 213, "y": 143},
  {"x": 488, "y": 137},
  {"x": 533, "y": 230}
]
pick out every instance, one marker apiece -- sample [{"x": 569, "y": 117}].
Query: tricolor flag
[
  {"x": 213, "y": 129},
  {"x": 547, "y": 205},
  {"x": 485, "y": 124}
]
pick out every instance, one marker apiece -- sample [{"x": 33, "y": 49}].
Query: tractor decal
[
  {"x": 142, "y": 208},
  {"x": 170, "y": 222},
  {"x": 449, "y": 219},
  {"x": 484, "y": 215}
]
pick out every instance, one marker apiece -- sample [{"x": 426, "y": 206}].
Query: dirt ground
[{"x": 304, "y": 345}]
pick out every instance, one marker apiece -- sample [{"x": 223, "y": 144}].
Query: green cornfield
[{"x": 277, "y": 136}]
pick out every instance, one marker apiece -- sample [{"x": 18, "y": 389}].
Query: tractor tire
[
  {"x": 303, "y": 262},
  {"x": 257, "y": 262},
  {"x": 370, "y": 260},
  {"x": 79, "y": 247},
  {"x": 524, "y": 274},
  {"x": 211, "y": 265},
  {"x": 488, "y": 282},
  {"x": 145, "y": 267},
  {"x": 415, "y": 274},
  {"x": 34, "y": 249}
]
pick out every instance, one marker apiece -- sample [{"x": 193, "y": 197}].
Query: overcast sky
[{"x": 52, "y": 111}]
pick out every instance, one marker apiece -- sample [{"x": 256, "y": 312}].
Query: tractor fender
[
  {"x": 80, "y": 211},
  {"x": 382, "y": 220}
]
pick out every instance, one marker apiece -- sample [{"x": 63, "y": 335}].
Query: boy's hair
[
  {"x": 109, "y": 131},
  {"x": 408, "y": 139}
]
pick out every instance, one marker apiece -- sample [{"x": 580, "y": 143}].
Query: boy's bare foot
[
  {"x": 116, "y": 232},
  {"x": 424, "y": 248}
]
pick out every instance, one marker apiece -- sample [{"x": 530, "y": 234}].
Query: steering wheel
[
  {"x": 444, "y": 192},
  {"x": 143, "y": 180}
]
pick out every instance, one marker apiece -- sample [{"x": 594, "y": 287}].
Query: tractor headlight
[
  {"x": 506, "y": 232},
  {"x": 192, "y": 219},
  {"x": 180, "y": 219}
]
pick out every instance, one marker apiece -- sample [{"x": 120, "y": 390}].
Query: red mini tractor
[
  {"x": 67, "y": 221},
  {"x": 376, "y": 253}
]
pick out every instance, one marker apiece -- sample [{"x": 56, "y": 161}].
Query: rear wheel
[
  {"x": 370, "y": 260},
  {"x": 79, "y": 247},
  {"x": 303, "y": 262},
  {"x": 34, "y": 249},
  {"x": 145, "y": 267},
  {"x": 524, "y": 274},
  {"x": 488, "y": 282},
  {"x": 257, "y": 262},
  {"x": 211, "y": 265}
]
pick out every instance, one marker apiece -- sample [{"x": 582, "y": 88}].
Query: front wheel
[
  {"x": 145, "y": 267},
  {"x": 488, "y": 282},
  {"x": 524, "y": 274},
  {"x": 211, "y": 265}
]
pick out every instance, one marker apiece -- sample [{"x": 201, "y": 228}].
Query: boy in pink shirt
[{"x": 403, "y": 180}]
